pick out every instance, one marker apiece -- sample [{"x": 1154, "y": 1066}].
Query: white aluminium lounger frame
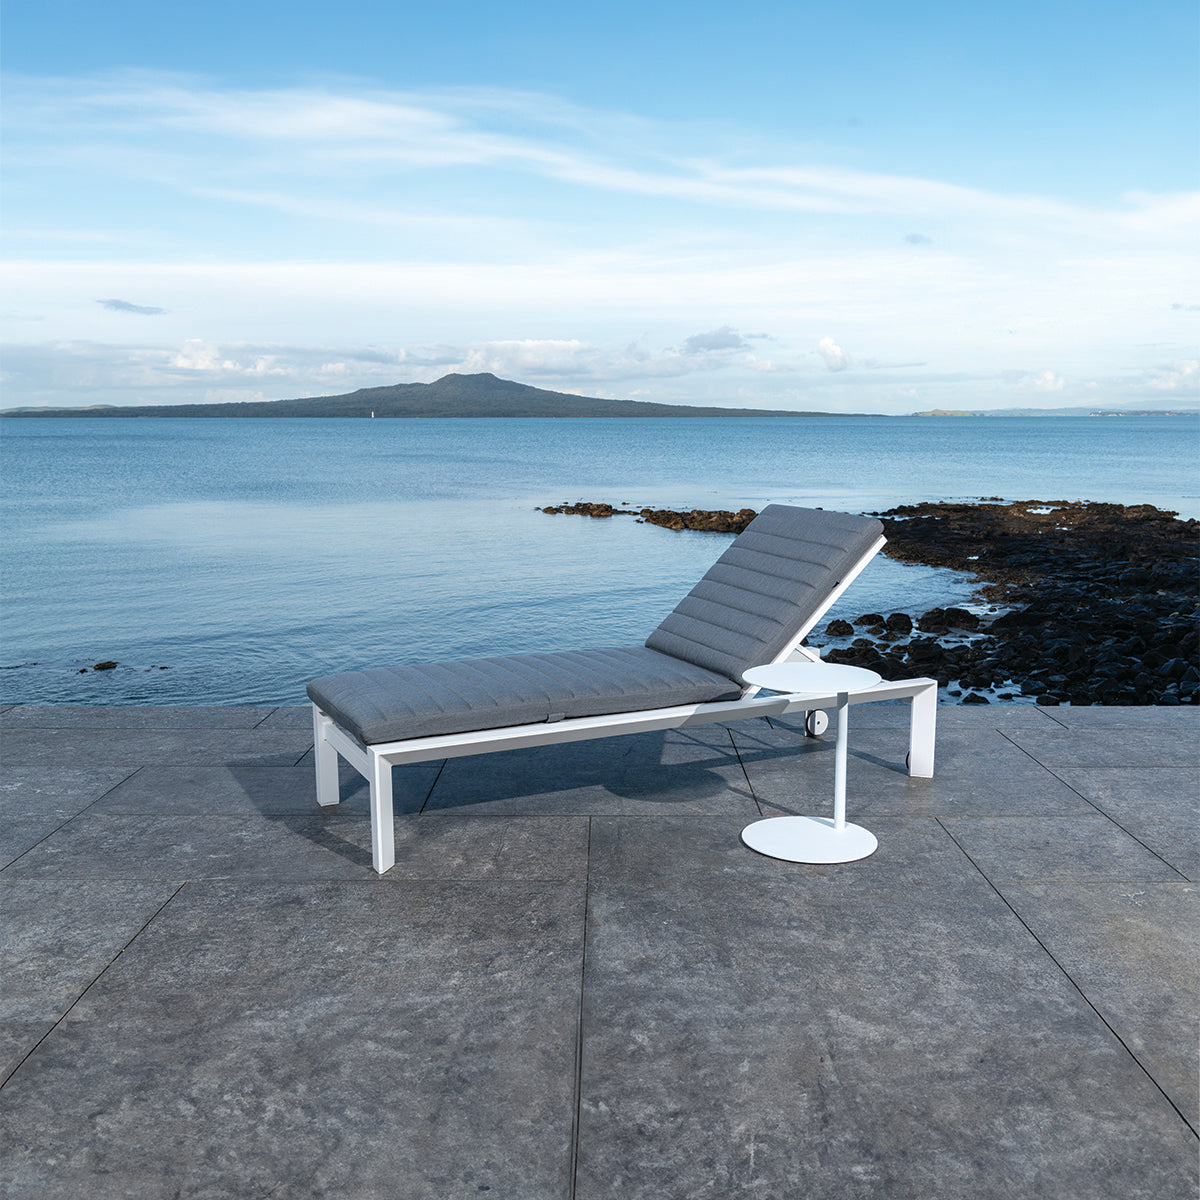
[{"x": 375, "y": 762}]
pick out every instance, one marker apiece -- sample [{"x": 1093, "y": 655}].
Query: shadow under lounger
[{"x": 754, "y": 606}]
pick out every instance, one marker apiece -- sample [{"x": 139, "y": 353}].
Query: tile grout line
[
  {"x": 100, "y": 975},
  {"x": 1054, "y": 775},
  {"x": 576, "y": 1113},
  {"x": 68, "y": 820},
  {"x": 1070, "y": 979},
  {"x": 1110, "y": 817},
  {"x": 1060, "y": 724}
]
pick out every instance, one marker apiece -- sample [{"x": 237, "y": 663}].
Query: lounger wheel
[{"x": 816, "y": 722}]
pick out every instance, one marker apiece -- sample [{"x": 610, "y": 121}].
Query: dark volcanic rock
[
  {"x": 1101, "y": 598},
  {"x": 705, "y": 520},
  {"x": 718, "y": 521},
  {"x": 583, "y": 509}
]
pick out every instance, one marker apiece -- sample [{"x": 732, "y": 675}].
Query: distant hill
[
  {"x": 480, "y": 395},
  {"x": 1187, "y": 409}
]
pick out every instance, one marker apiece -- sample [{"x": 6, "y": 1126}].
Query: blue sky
[{"x": 852, "y": 207}]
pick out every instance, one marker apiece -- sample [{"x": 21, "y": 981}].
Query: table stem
[{"x": 839, "y": 765}]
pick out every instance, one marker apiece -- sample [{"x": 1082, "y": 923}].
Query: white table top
[{"x": 811, "y": 677}]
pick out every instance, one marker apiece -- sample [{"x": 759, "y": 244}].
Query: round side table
[{"x": 815, "y": 839}]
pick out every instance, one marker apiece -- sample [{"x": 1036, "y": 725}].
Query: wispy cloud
[
  {"x": 125, "y": 306},
  {"x": 725, "y": 338},
  {"x": 372, "y": 133}
]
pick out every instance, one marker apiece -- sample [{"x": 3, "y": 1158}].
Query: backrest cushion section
[{"x": 774, "y": 580}]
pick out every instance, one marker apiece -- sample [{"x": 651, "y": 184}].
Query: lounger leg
[
  {"x": 383, "y": 834},
  {"x": 922, "y": 728},
  {"x": 328, "y": 791}
]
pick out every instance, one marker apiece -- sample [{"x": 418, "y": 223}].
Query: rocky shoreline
[{"x": 1087, "y": 603}]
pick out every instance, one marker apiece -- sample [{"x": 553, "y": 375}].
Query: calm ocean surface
[{"x": 247, "y": 556}]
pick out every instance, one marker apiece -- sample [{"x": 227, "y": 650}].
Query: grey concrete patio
[{"x": 576, "y": 982}]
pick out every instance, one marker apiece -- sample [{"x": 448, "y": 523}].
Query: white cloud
[
  {"x": 1045, "y": 381},
  {"x": 1178, "y": 376},
  {"x": 834, "y": 356}
]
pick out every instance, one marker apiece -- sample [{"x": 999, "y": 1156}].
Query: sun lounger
[{"x": 753, "y": 607}]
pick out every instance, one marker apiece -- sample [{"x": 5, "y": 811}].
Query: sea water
[{"x": 229, "y": 561}]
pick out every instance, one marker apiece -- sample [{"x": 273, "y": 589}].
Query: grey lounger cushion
[
  {"x": 772, "y": 581},
  {"x": 389, "y": 704}
]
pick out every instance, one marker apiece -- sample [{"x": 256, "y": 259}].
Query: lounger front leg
[
  {"x": 922, "y": 731},
  {"x": 328, "y": 791},
  {"x": 383, "y": 835}
]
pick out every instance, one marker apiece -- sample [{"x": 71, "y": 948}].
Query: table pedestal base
[{"x": 809, "y": 840}]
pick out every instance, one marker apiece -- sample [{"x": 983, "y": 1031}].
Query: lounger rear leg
[
  {"x": 383, "y": 835},
  {"x": 922, "y": 732},
  {"x": 328, "y": 789}
]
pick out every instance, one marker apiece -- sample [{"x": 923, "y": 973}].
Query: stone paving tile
[
  {"x": 134, "y": 716},
  {"x": 1062, "y": 848},
  {"x": 691, "y": 771},
  {"x": 1140, "y": 747},
  {"x": 1158, "y": 805},
  {"x": 332, "y": 844},
  {"x": 1134, "y": 952},
  {"x": 885, "y": 1029},
  {"x": 323, "y": 846},
  {"x": 366, "y": 1041},
  {"x": 994, "y": 716},
  {"x": 232, "y": 790},
  {"x": 1114, "y": 718},
  {"x": 55, "y": 790},
  {"x": 975, "y": 772},
  {"x": 20, "y": 833},
  {"x": 37, "y": 747},
  {"x": 290, "y": 716},
  {"x": 34, "y": 805},
  {"x": 454, "y": 845},
  {"x": 55, "y": 939}
]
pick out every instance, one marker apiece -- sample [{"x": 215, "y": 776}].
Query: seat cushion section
[
  {"x": 775, "y": 580},
  {"x": 388, "y": 704}
]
